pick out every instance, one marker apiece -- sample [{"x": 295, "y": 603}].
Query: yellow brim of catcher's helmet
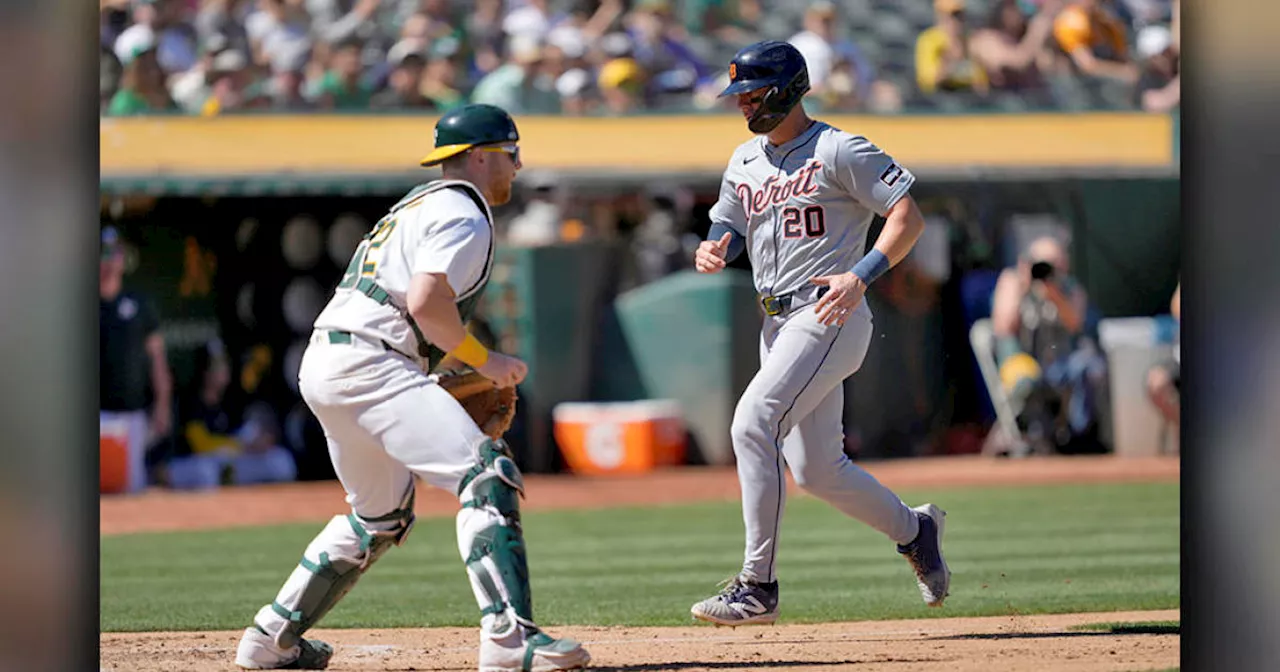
[{"x": 443, "y": 152}]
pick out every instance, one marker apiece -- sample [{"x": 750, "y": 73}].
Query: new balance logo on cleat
[
  {"x": 740, "y": 603},
  {"x": 749, "y": 606}
]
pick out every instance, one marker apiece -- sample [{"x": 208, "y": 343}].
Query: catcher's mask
[
  {"x": 776, "y": 67},
  {"x": 471, "y": 126}
]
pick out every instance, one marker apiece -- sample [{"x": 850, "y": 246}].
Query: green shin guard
[
  {"x": 332, "y": 575},
  {"x": 496, "y": 486}
]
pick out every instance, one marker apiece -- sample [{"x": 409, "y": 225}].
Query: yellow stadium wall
[{"x": 371, "y": 145}]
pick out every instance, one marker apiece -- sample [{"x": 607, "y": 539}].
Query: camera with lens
[{"x": 1041, "y": 270}]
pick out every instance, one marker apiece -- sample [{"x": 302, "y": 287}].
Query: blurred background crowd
[{"x": 602, "y": 57}]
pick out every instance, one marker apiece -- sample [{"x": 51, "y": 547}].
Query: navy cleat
[
  {"x": 925, "y": 555},
  {"x": 740, "y": 603}
]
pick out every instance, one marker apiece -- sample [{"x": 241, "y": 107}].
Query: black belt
[{"x": 778, "y": 305}]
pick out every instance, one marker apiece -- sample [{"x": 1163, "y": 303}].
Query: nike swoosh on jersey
[{"x": 749, "y": 160}]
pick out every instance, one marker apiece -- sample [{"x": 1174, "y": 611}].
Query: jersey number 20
[
  {"x": 361, "y": 264},
  {"x": 813, "y": 217}
]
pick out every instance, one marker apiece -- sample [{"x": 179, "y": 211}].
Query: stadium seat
[
  {"x": 891, "y": 26},
  {"x": 918, "y": 12},
  {"x": 856, "y": 13}
]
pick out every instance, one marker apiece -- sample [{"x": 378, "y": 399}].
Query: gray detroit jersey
[{"x": 805, "y": 206}]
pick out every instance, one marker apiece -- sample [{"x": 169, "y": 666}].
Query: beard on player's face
[{"x": 499, "y": 176}]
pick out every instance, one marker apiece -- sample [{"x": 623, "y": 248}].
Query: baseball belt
[
  {"x": 781, "y": 304},
  {"x": 337, "y": 337}
]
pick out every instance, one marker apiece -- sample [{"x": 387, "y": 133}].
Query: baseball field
[{"x": 1058, "y": 564}]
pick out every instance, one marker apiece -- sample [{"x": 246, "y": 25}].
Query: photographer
[{"x": 1046, "y": 365}]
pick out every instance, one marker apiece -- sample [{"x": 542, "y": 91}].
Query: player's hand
[
  {"x": 709, "y": 258},
  {"x": 845, "y": 292},
  {"x": 504, "y": 370}
]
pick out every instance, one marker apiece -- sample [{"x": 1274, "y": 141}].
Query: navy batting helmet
[{"x": 776, "y": 67}]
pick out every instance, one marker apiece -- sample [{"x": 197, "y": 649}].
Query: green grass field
[
  {"x": 1134, "y": 628},
  {"x": 1043, "y": 549}
]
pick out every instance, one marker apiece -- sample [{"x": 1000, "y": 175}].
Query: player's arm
[
  {"x": 432, "y": 304},
  {"x": 726, "y": 238},
  {"x": 453, "y": 254},
  {"x": 903, "y": 225},
  {"x": 874, "y": 179}
]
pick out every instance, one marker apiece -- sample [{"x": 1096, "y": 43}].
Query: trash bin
[{"x": 1133, "y": 346}]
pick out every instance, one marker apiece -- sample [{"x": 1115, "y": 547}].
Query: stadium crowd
[{"x": 586, "y": 57}]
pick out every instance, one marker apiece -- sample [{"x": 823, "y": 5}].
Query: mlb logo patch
[{"x": 891, "y": 174}]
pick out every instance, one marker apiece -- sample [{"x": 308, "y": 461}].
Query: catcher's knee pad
[
  {"x": 490, "y": 537},
  {"x": 330, "y": 567}
]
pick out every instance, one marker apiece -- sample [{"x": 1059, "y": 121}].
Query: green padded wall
[
  {"x": 695, "y": 338},
  {"x": 543, "y": 303}
]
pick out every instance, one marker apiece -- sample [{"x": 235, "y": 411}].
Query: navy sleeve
[{"x": 737, "y": 243}]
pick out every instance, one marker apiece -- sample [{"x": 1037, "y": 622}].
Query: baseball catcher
[{"x": 398, "y": 313}]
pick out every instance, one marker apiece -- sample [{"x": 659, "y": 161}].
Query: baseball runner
[
  {"x": 800, "y": 198},
  {"x": 411, "y": 284}
]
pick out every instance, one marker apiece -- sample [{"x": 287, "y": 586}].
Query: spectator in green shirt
[
  {"x": 142, "y": 87},
  {"x": 342, "y": 88}
]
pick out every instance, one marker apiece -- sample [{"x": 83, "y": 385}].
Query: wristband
[
  {"x": 471, "y": 352},
  {"x": 871, "y": 266}
]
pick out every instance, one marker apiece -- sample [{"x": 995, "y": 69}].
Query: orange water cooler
[
  {"x": 113, "y": 453},
  {"x": 630, "y": 437}
]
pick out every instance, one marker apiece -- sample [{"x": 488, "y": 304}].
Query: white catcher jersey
[
  {"x": 436, "y": 229},
  {"x": 805, "y": 206}
]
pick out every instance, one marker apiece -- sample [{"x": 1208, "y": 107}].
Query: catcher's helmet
[
  {"x": 775, "y": 66},
  {"x": 470, "y": 126}
]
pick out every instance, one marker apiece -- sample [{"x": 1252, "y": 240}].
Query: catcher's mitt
[{"x": 493, "y": 408}]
